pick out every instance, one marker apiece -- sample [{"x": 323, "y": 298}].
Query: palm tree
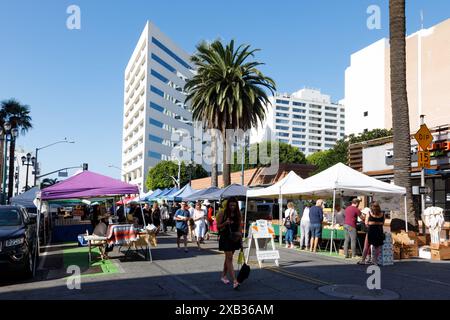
[
  {"x": 47, "y": 182},
  {"x": 400, "y": 112},
  {"x": 227, "y": 92},
  {"x": 18, "y": 115}
]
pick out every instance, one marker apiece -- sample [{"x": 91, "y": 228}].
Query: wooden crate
[
  {"x": 443, "y": 253},
  {"x": 408, "y": 252},
  {"x": 423, "y": 240}
]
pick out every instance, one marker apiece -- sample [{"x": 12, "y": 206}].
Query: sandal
[
  {"x": 225, "y": 280},
  {"x": 236, "y": 285}
]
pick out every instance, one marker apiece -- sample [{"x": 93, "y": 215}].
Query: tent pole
[
  {"x": 406, "y": 215},
  {"x": 280, "y": 203},
  {"x": 332, "y": 221},
  {"x": 245, "y": 216},
  {"x": 37, "y": 249},
  {"x": 142, "y": 213}
]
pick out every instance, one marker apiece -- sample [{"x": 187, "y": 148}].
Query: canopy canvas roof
[
  {"x": 233, "y": 190},
  {"x": 180, "y": 194},
  {"x": 88, "y": 184},
  {"x": 291, "y": 180},
  {"x": 200, "y": 194},
  {"x": 345, "y": 181},
  {"x": 26, "y": 199}
]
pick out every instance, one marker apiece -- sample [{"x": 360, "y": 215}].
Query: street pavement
[{"x": 176, "y": 275}]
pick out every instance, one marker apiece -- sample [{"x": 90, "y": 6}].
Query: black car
[{"x": 17, "y": 239}]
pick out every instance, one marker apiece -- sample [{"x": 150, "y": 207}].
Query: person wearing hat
[
  {"x": 101, "y": 230},
  {"x": 209, "y": 217},
  {"x": 351, "y": 214}
]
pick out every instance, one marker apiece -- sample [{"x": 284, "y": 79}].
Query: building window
[
  {"x": 156, "y": 107},
  {"x": 333, "y": 115},
  {"x": 282, "y": 108},
  {"x": 283, "y": 134},
  {"x": 299, "y": 129},
  {"x": 298, "y": 123},
  {"x": 282, "y": 121},
  {"x": 342, "y": 116},
  {"x": 282, "y": 101},
  {"x": 315, "y": 119},
  {"x": 329, "y": 146},
  {"x": 315, "y": 106},
  {"x": 156, "y": 123},
  {"x": 283, "y": 115},
  {"x": 331, "y": 127},
  {"x": 366, "y": 130},
  {"x": 283, "y": 140},
  {"x": 154, "y": 155},
  {"x": 366, "y": 113},
  {"x": 299, "y": 143},
  {"x": 298, "y": 110},
  {"x": 157, "y": 91},
  {"x": 282, "y": 128},
  {"x": 331, "y": 108},
  {"x": 330, "y": 121},
  {"x": 300, "y": 104},
  {"x": 170, "y": 53},
  {"x": 156, "y": 139},
  {"x": 296, "y": 116},
  {"x": 159, "y": 76},
  {"x": 163, "y": 63},
  {"x": 299, "y": 136},
  {"x": 316, "y": 113}
]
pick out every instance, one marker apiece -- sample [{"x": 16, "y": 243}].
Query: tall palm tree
[
  {"x": 400, "y": 112},
  {"x": 227, "y": 92},
  {"x": 18, "y": 115},
  {"x": 47, "y": 182}
]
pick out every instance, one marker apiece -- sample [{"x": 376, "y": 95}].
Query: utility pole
[{"x": 422, "y": 183}]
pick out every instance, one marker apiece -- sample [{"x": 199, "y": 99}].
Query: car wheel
[{"x": 28, "y": 265}]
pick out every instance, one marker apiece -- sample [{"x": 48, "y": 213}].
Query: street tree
[
  {"x": 164, "y": 174},
  {"x": 227, "y": 92}
]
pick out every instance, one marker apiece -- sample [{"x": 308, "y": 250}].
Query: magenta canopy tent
[{"x": 87, "y": 184}]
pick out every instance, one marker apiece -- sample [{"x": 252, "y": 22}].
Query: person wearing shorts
[
  {"x": 316, "y": 219},
  {"x": 181, "y": 217}
]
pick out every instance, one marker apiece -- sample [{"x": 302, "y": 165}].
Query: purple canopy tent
[{"x": 87, "y": 184}]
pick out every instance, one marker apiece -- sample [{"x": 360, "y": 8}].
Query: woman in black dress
[
  {"x": 375, "y": 230},
  {"x": 156, "y": 216},
  {"x": 230, "y": 237}
]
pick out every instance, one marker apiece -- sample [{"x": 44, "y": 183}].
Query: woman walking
[
  {"x": 289, "y": 221},
  {"x": 156, "y": 216},
  {"x": 305, "y": 228},
  {"x": 375, "y": 233},
  {"x": 230, "y": 237},
  {"x": 200, "y": 223}
]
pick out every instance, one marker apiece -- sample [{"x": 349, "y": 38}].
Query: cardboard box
[
  {"x": 397, "y": 252},
  {"x": 423, "y": 240},
  {"x": 435, "y": 246},
  {"x": 404, "y": 238},
  {"x": 408, "y": 252},
  {"x": 442, "y": 254}
]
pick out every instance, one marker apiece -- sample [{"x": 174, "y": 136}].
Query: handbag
[
  {"x": 243, "y": 273},
  {"x": 288, "y": 223}
]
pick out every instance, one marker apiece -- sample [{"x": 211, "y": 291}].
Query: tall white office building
[
  {"x": 307, "y": 119},
  {"x": 154, "y": 104}
]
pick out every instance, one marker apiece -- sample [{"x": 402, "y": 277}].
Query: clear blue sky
[{"x": 73, "y": 79}]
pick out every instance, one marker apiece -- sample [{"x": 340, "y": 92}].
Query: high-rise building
[
  {"x": 367, "y": 82},
  {"x": 307, "y": 119},
  {"x": 154, "y": 104}
]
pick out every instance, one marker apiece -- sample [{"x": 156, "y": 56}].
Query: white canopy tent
[{"x": 277, "y": 190}]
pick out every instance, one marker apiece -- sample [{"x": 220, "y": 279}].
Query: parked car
[{"x": 18, "y": 240}]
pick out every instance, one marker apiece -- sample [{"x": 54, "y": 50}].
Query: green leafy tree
[
  {"x": 227, "y": 92},
  {"x": 47, "y": 182},
  {"x": 287, "y": 154},
  {"x": 163, "y": 174},
  {"x": 339, "y": 153},
  {"x": 18, "y": 115}
]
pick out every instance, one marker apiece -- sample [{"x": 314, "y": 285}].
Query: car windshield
[{"x": 9, "y": 217}]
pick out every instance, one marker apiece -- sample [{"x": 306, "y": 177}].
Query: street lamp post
[
  {"x": 28, "y": 161},
  {"x": 12, "y": 133},
  {"x": 35, "y": 167}
]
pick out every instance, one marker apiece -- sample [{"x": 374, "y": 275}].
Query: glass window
[
  {"x": 157, "y": 91},
  {"x": 163, "y": 63},
  {"x": 155, "y": 155},
  {"x": 282, "y": 108},
  {"x": 331, "y": 127},
  {"x": 327, "y": 114},
  {"x": 331, "y": 108},
  {"x": 282, "y": 121},
  {"x": 155, "y": 139},
  {"x": 330, "y": 121},
  {"x": 343, "y": 116},
  {"x": 156, "y": 107},
  {"x": 284, "y": 115},
  {"x": 298, "y": 129},
  {"x": 159, "y": 76},
  {"x": 296, "y": 116},
  {"x": 329, "y": 146},
  {"x": 9, "y": 217},
  {"x": 315, "y": 119},
  {"x": 299, "y": 136},
  {"x": 283, "y": 140},
  {"x": 299, "y": 143},
  {"x": 282, "y": 128},
  {"x": 282, "y": 101},
  {"x": 298, "y": 123},
  {"x": 171, "y": 53},
  {"x": 301, "y": 104},
  {"x": 156, "y": 123},
  {"x": 283, "y": 134},
  {"x": 299, "y": 110}
]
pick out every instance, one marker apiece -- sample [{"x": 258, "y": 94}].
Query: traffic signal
[{"x": 85, "y": 166}]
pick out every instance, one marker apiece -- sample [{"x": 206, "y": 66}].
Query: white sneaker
[{"x": 287, "y": 246}]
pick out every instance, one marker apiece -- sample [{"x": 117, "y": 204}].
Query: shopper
[
  {"x": 200, "y": 223},
  {"x": 230, "y": 237},
  {"x": 305, "y": 228},
  {"x": 366, "y": 255},
  {"x": 173, "y": 210},
  {"x": 191, "y": 224},
  {"x": 156, "y": 216},
  {"x": 316, "y": 219},
  {"x": 164, "y": 215},
  {"x": 351, "y": 214},
  {"x": 290, "y": 216},
  {"x": 147, "y": 213},
  {"x": 210, "y": 217},
  {"x": 181, "y": 217},
  {"x": 375, "y": 232},
  {"x": 339, "y": 215}
]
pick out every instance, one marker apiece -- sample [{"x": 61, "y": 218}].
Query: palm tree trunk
[
  {"x": 226, "y": 172},
  {"x": 12, "y": 150},
  {"x": 400, "y": 112},
  {"x": 214, "y": 182}
]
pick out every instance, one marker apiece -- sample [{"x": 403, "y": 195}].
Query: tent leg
[
  {"x": 245, "y": 216},
  {"x": 332, "y": 220},
  {"x": 406, "y": 215},
  {"x": 142, "y": 213},
  {"x": 37, "y": 249},
  {"x": 280, "y": 199}
]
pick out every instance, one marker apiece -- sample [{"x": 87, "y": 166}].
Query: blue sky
[{"x": 73, "y": 79}]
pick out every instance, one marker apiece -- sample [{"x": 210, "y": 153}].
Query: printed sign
[{"x": 424, "y": 137}]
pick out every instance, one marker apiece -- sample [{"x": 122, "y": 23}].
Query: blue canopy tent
[
  {"x": 26, "y": 199},
  {"x": 154, "y": 197},
  {"x": 169, "y": 196},
  {"x": 199, "y": 195},
  {"x": 155, "y": 193},
  {"x": 233, "y": 190},
  {"x": 180, "y": 194}
]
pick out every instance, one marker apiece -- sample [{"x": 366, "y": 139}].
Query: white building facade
[
  {"x": 20, "y": 172},
  {"x": 307, "y": 119},
  {"x": 155, "y": 113},
  {"x": 367, "y": 82}
]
